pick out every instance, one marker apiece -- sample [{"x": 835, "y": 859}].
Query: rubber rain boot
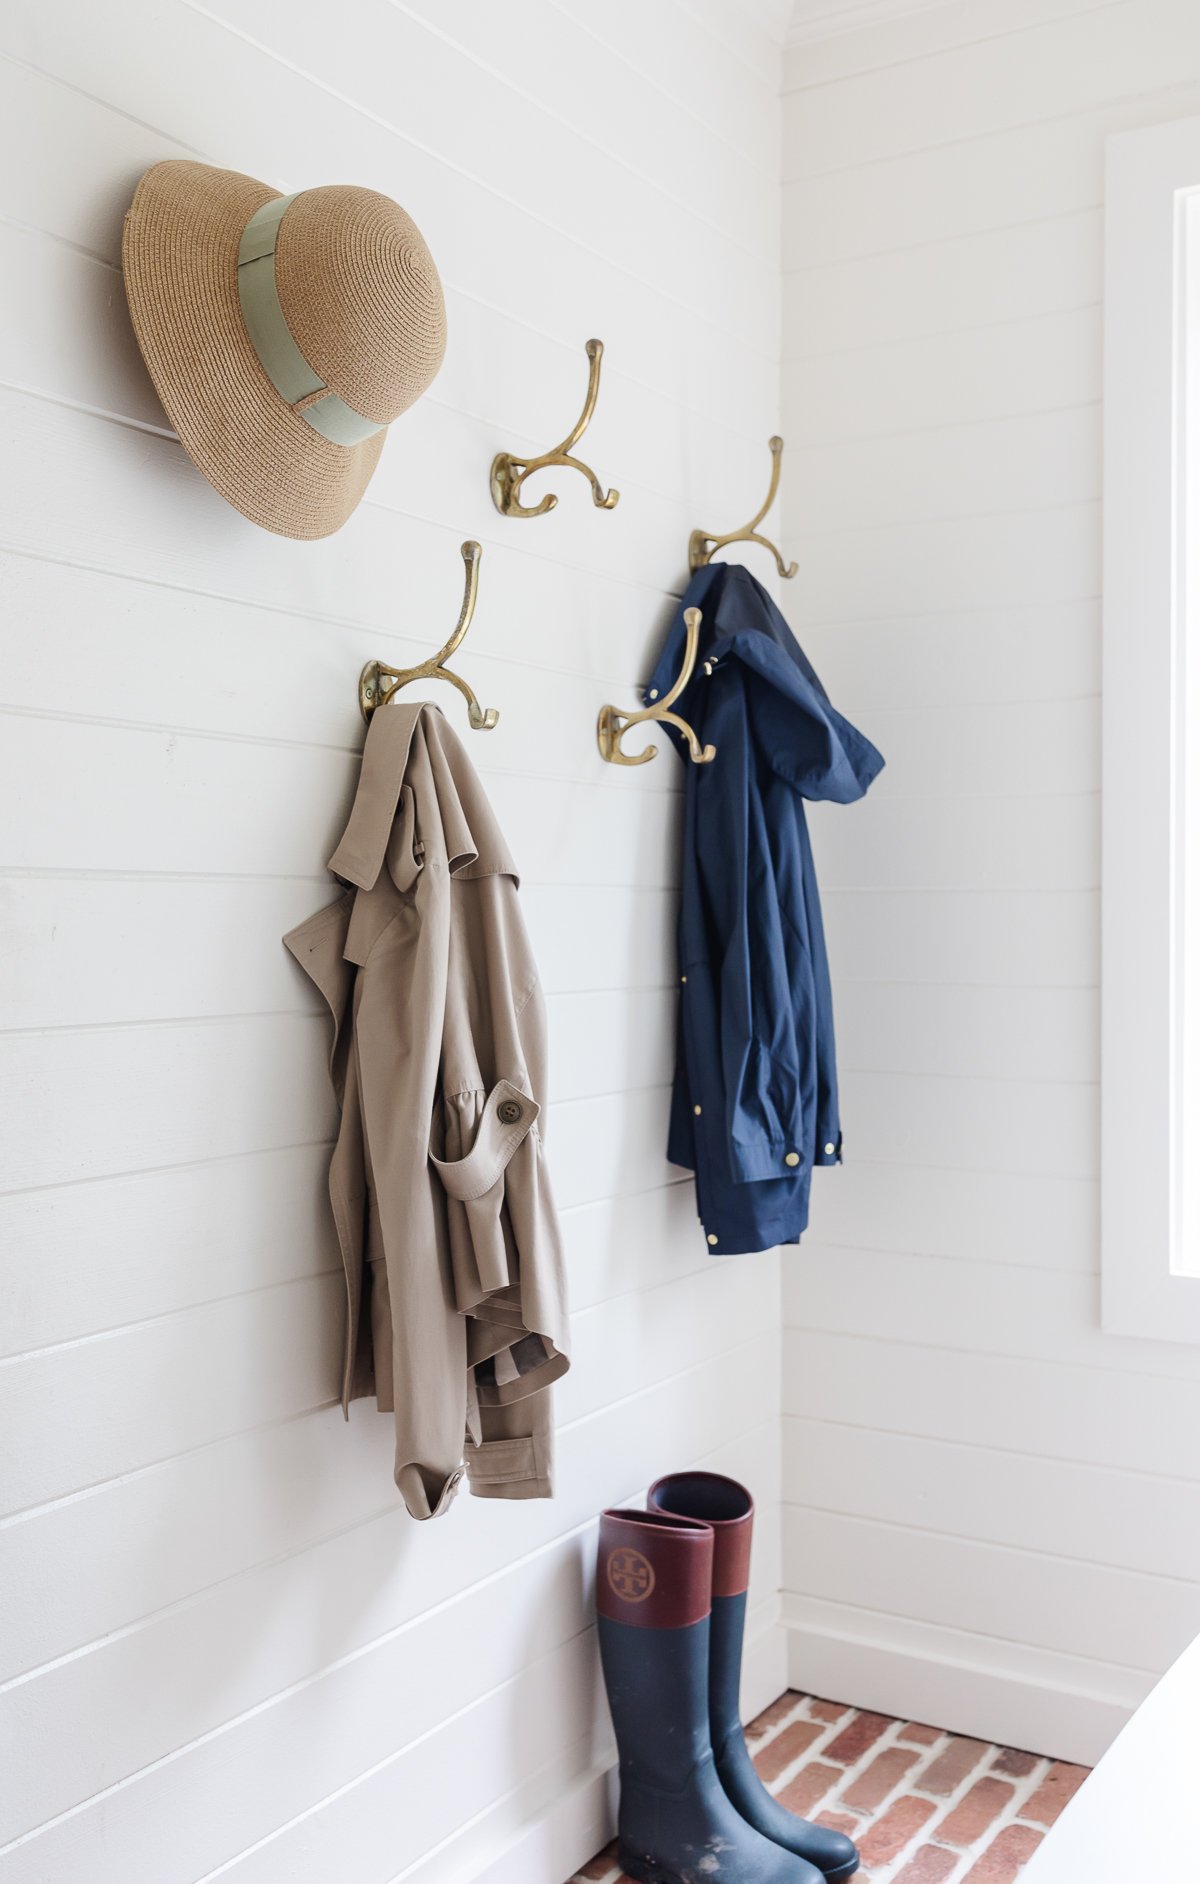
[
  {"x": 728, "y": 1509},
  {"x": 676, "y": 1823}
]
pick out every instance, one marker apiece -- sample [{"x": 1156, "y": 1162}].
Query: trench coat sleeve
[
  {"x": 319, "y": 946},
  {"x": 505, "y": 1243}
]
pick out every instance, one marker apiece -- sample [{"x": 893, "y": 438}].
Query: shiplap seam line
[
  {"x": 30, "y": 1513},
  {"x": 842, "y": 532},
  {"x": 860, "y": 441},
  {"x": 565, "y": 122},
  {"x": 283, "y": 1419},
  {"x": 1134, "y": 1472},
  {"x": 887, "y": 889},
  {"x": 349, "y": 623},
  {"x": 964, "y": 1257},
  {"x": 308, "y": 1680},
  {"x": 325, "y": 882},
  {"x": 694, "y": 308},
  {"x": 862, "y": 1071},
  {"x": 986, "y": 1353},
  {"x": 309, "y": 1275},
  {"x": 991, "y": 1543},
  {"x": 619, "y": 51},
  {"x": 94, "y": 1337},
  {"x": 972, "y": 987},
  {"x": 892, "y": 342},
  {"x": 983, "y": 704},
  {"x": 922, "y": 617},
  {"x": 274, "y": 742},
  {"x": 160, "y": 1170},
  {"x": 55, "y": 873},
  {"x": 398, "y": 1753},
  {"x": 961, "y": 1170},
  {"x": 566, "y": 346},
  {"x": 530, "y": 1782},
  {"x": 800, "y": 269},
  {"x": 433, "y": 397},
  {"x": 134, "y": 1171},
  {"x": 139, "y": 1022},
  {"x": 1109, "y": 102},
  {"x": 731, "y": 44},
  {"x": 381, "y": 1513},
  {"x": 488, "y": 536},
  {"x": 923, "y": 58}
]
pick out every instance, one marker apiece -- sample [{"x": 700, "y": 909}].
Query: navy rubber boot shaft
[
  {"x": 729, "y": 1509},
  {"x": 677, "y": 1824}
]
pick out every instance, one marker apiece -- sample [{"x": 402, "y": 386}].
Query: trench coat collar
[{"x": 458, "y": 815}]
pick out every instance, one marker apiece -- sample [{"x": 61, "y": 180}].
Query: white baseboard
[
  {"x": 1061, "y": 1705},
  {"x": 563, "y": 1821}
]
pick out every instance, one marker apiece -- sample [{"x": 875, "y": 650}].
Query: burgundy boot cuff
[
  {"x": 711, "y": 1499},
  {"x": 653, "y": 1570}
]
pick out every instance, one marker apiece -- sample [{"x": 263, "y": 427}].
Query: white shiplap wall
[
  {"x": 992, "y": 1511},
  {"x": 225, "y": 1650}
]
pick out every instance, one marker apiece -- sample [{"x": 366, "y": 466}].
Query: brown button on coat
[{"x": 454, "y": 1271}]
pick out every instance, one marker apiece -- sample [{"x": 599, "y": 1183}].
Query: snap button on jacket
[{"x": 455, "y": 1284}]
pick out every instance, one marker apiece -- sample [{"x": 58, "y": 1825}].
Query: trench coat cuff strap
[
  {"x": 508, "y": 1468},
  {"x": 508, "y": 1118},
  {"x": 413, "y": 1483}
]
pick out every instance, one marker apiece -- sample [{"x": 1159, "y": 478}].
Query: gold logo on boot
[{"x": 629, "y": 1575}]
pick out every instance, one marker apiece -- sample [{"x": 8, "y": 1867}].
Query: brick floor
[{"x": 924, "y": 1806}]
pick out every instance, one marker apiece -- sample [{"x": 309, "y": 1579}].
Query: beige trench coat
[{"x": 454, "y": 1271}]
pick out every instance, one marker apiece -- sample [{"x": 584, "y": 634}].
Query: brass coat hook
[
  {"x": 377, "y": 684},
  {"x": 612, "y": 724},
  {"x": 510, "y": 472},
  {"x": 702, "y": 547}
]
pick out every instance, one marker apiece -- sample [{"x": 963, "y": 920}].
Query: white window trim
[{"x": 1144, "y": 1292}]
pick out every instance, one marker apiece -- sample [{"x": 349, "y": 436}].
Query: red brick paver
[
  {"x": 899, "y": 1825},
  {"x": 923, "y": 1805},
  {"x": 827, "y": 1710},
  {"x": 883, "y": 1776},
  {"x": 978, "y": 1809},
  {"x": 771, "y": 1717},
  {"x": 850, "y": 1745},
  {"x": 952, "y": 1766},
  {"x": 839, "y": 1822},
  {"x": 931, "y": 1864},
  {"x": 786, "y": 1747},
  {"x": 1014, "y": 1764},
  {"x": 1058, "y": 1788},
  {"x": 810, "y": 1785},
  {"x": 1006, "y": 1856}
]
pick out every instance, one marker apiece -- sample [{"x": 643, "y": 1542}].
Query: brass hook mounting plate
[{"x": 510, "y": 472}]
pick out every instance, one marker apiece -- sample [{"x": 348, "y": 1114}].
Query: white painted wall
[
  {"x": 992, "y": 1515},
  {"x": 226, "y": 1651}
]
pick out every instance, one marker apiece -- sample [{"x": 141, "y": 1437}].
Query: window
[{"x": 1151, "y": 769}]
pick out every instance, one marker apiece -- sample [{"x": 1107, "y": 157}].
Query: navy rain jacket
[{"x": 755, "y": 1104}]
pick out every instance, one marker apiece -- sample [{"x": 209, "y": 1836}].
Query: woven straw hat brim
[{"x": 180, "y": 255}]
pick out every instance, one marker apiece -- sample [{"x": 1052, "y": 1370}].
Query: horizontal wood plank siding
[
  {"x": 245, "y": 1657},
  {"x": 990, "y": 1506}
]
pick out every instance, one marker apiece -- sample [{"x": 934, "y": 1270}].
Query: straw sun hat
[{"x": 283, "y": 333}]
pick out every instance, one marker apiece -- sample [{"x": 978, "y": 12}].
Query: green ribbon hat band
[{"x": 281, "y": 359}]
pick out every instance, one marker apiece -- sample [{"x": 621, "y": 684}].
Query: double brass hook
[
  {"x": 702, "y": 547},
  {"x": 510, "y": 472},
  {"x": 612, "y": 724},
  {"x": 378, "y": 684}
]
